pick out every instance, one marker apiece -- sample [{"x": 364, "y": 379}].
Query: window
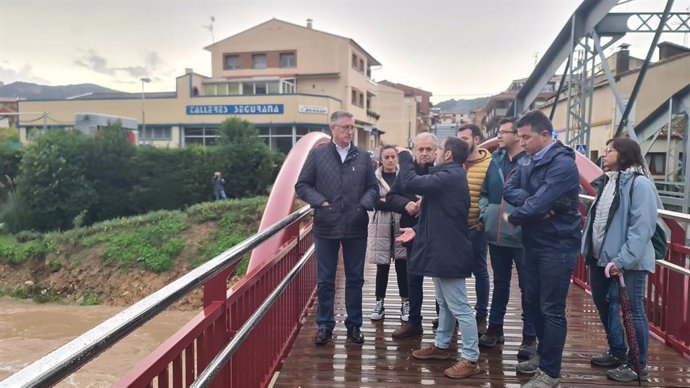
[
  {"x": 656, "y": 162},
  {"x": 361, "y": 64},
  {"x": 232, "y": 62},
  {"x": 209, "y": 89},
  {"x": 157, "y": 133},
  {"x": 287, "y": 60},
  {"x": 200, "y": 135},
  {"x": 288, "y": 86},
  {"x": 282, "y": 144},
  {"x": 234, "y": 88},
  {"x": 354, "y": 97},
  {"x": 247, "y": 88},
  {"x": 259, "y": 61},
  {"x": 260, "y": 88},
  {"x": 273, "y": 87},
  {"x": 354, "y": 61}
]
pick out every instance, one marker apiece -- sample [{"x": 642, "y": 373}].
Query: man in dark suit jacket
[
  {"x": 338, "y": 181},
  {"x": 442, "y": 249}
]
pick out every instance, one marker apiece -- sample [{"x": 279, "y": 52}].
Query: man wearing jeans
[
  {"x": 505, "y": 242},
  {"x": 544, "y": 192},
  {"x": 441, "y": 250},
  {"x": 338, "y": 181}
]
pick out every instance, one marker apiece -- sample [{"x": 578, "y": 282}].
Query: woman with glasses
[
  {"x": 617, "y": 242},
  {"x": 384, "y": 227}
]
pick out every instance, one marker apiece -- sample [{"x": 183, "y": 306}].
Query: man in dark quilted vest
[{"x": 338, "y": 181}]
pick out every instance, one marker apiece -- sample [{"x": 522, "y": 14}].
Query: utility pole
[
  {"x": 143, "y": 111},
  {"x": 209, "y": 27}
]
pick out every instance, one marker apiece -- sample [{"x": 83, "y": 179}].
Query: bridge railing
[
  {"x": 668, "y": 288},
  {"x": 185, "y": 355},
  {"x": 258, "y": 343}
]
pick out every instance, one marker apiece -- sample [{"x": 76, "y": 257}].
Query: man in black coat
[
  {"x": 408, "y": 204},
  {"x": 338, "y": 181},
  {"x": 442, "y": 249}
]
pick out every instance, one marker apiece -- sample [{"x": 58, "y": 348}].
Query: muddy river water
[{"x": 29, "y": 331}]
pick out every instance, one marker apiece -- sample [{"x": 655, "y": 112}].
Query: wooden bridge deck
[{"x": 384, "y": 362}]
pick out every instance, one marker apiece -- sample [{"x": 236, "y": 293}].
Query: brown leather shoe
[
  {"x": 463, "y": 368},
  {"x": 431, "y": 352},
  {"x": 408, "y": 330}
]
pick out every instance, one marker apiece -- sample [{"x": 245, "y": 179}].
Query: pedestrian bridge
[{"x": 260, "y": 332}]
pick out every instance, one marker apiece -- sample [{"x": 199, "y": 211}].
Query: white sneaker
[
  {"x": 379, "y": 311},
  {"x": 405, "y": 311}
]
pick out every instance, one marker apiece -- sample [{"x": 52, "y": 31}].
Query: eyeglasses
[
  {"x": 504, "y": 132},
  {"x": 609, "y": 149},
  {"x": 425, "y": 149},
  {"x": 346, "y": 128}
]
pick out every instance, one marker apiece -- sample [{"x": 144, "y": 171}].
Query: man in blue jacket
[
  {"x": 338, "y": 181},
  {"x": 505, "y": 242},
  {"x": 544, "y": 192},
  {"x": 442, "y": 250}
]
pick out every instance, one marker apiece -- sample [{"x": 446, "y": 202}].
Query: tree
[
  {"x": 52, "y": 187},
  {"x": 251, "y": 166}
]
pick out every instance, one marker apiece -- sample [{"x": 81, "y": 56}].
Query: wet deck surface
[{"x": 384, "y": 362}]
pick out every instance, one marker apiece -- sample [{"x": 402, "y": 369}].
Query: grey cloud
[
  {"x": 25, "y": 74},
  {"x": 93, "y": 61},
  {"x": 153, "y": 60},
  {"x": 135, "y": 71},
  {"x": 90, "y": 59}
]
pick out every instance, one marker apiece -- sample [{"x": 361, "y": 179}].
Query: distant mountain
[
  {"x": 31, "y": 91},
  {"x": 463, "y": 105}
]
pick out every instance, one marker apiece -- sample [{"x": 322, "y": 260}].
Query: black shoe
[
  {"x": 528, "y": 348},
  {"x": 493, "y": 336},
  {"x": 323, "y": 336},
  {"x": 608, "y": 360},
  {"x": 481, "y": 323},
  {"x": 434, "y": 323},
  {"x": 355, "y": 335}
]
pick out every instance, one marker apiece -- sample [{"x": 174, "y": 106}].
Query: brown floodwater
[{"x": 29, "y": 330}]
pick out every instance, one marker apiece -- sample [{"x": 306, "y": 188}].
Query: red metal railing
[
  {"x": 183, "y": 357},
  {"x": 179, "y": 360}
]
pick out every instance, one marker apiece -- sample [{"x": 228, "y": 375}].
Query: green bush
[
  {"x": 27, "y": 235},
  {"x": 10, "y": 158},
  {"x": 90, "y": 299},
  {"x": 52, "y": 187},
  {"x": 15, "y": 252},
  {"x": 67, "y": 179},
  {"x": 155, "y": 245}
]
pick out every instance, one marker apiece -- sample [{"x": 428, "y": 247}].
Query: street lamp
[{"x": 143, "y": 112}]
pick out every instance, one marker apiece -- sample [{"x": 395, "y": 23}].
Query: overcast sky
[{"x": 452, "y": 48}]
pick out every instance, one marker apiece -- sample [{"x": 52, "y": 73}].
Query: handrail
[
  {"x": 665, "y": 214},
  {"x": 55, "y": 366},
  {"x": 217, "y": 364}
]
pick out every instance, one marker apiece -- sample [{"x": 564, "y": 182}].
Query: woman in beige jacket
[{"x": 384, "y": 226}]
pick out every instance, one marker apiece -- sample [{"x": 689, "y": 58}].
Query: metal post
[
  {"x": 686, "y": 181},
  {"x": 569, "y": 71},
  {"x": 667, "y": 170},
  {"x": 143, "y": 111},
  {"x": 640, "y": 77}
]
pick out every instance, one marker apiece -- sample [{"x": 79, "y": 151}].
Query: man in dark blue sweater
[{"x": 338, "y": 181}]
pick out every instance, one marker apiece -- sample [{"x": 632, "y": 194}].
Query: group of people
[{"x": 436, "y": 214}]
